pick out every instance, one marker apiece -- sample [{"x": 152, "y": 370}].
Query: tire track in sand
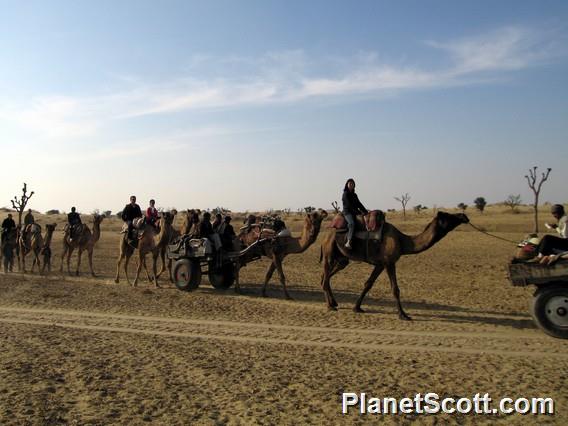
[{"x": 514, "y": 344}]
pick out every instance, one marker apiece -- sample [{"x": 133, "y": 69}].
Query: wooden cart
[{"x": 549, "y": 306}]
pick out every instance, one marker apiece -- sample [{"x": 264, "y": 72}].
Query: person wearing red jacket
[{"x": 152, "y": 213}]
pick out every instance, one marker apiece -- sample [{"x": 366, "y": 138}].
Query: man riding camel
[
  {"x": 129, "y": 213},
  {"x": 74, "y": 222},
  {"x": 152, "y": 213},
  {"x": 7, "y": 225}
]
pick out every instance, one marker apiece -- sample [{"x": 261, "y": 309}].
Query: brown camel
[
  {"x": 172, "y": 234},
  {"x": 382, "y": 254},
  {"x": 280, "y": 247},
  {"x": 32, "y": 244},
  {"x": 7, "y": 252},
  {"x": 46, "y": 248},
  {"x": 150, "y": 242},
  {"x": 85, "y": 241}
]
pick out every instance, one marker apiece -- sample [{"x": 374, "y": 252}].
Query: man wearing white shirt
[{"x": 552, "y": 245}]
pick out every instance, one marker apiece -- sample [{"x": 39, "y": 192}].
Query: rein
[{"x": 491, "y": 235}]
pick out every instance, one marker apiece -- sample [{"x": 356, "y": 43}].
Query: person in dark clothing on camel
[{"x": 351, "y": 208}]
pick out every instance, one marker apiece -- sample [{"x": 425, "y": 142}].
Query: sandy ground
[{"x": 84, "y": 350}]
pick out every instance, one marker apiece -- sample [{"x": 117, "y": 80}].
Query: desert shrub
[{"x": 52, "y": 211}]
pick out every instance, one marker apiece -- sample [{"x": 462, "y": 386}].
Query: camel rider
[
  {"x": 351, "y": 208},
  {"x": 74, "y": 221},
  {"x": 152, "y": 213},
  {"x": 29, "y": 218},
  {"x": 129, "y": 213},
  {"x": 7, "y": 225},
  {"x": 28, "y": 221},
  {"x": 552, "y": 244}
]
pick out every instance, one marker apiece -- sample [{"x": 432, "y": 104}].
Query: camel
[
  {"x": 46, "y": 248},
  {"x": 172, "y": 234},
  {"x": 280, "y": 247},
  {"x": 7, "y": 252},
  {"x": 149, "y": 242},
  {"x": 34, "y": 244},
  {"x": 383, "y": 254},
  {"x": 85, "y": 241}
]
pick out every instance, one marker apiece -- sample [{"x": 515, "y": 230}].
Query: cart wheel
[
  {"x": 549, "y": 309},
  {"x": 222, "y": 278},
  {"x": 187, "y": 274}
]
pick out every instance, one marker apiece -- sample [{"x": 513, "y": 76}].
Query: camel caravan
[{"x": 201, "y": 246}]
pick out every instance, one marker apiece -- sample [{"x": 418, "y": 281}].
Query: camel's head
[
  {"x": 447, "y": 222},
  {"x": 167, "y": 218},
  {"x": 98, "y": 218},
  {"x": 314, "y": 220},
  {"x": 51, "y": 227}
]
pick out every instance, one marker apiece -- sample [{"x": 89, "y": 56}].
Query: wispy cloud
[{"x": 286, "y": 77}]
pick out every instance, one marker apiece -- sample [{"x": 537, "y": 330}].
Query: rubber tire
[
  {"x": 222, "y": 279},
  {"x": 187, "y": 274},
  {"x": 538, "y": 303}
]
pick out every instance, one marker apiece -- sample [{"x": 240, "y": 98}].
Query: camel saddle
[{"x": 368, "y": 227}]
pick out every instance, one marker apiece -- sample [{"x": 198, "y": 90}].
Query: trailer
[
  {"x": 194, "y": 257},
  {"x": 549, "y": 306}
]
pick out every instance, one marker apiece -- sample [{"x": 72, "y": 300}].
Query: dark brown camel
[
  {"x": 382, "y": 254},
  {"x": 281, "y": 247}
]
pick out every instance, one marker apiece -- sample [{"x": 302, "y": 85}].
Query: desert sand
[{"x": 83, "y": 350}]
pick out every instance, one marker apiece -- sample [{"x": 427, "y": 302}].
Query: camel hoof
[
  {"x": 334, "y": 303},
  {"x": 288, "y": 297},
  {"x": 263, "y": 294},
  {"x": 94, "y": 275},
  {"x": 332, "y": 308},
  {"x": 77, "y": 273},
  {"x": 404, "y": 317},
  {"x": 358, "y": 310},
  {"x": 116, "y": 281}
]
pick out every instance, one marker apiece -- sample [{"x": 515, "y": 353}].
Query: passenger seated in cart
[
  {"x": 217, "y": 223},
  {"x": 206, "y": 231},
  {"x": 552, "y": 247},
  {"x": 227, "y": 233}
]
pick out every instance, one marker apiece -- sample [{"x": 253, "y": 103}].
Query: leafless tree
[
  {"x": 20, "y": 205},
  {"x": 536, "y": 185},
  {"x": 403, "y": 199},
  {"x": 513, "y": 201}
]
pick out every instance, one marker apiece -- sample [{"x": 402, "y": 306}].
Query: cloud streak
[{"x": 286, "y": 77}]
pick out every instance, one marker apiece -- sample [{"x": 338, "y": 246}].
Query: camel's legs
[
  {"x": 36, "y": 261},
  {"x": 141, "y": 262},
  {"x": 368, "y": 285},
  {"x": 65, "y": 249},
  {"x": 163, "y": 257},
  {"x": 79, "y": 254},
  {"x": 278, "y": 262},
  {"x": 269, "y": 272},
  {"x": 330, "y": 268},
  {"x": 90, "y": 256},
  {"x": 127, "y": 259},
  {"x": 117, "y": 278},
  {"x": 391, "y": 270},
  {"x": 69, "y": 253},
  {"x": 237, "y": 284},
  {"x": 155, "y": 268}
]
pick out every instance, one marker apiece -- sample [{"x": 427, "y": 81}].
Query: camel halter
[{"x": 491, "y": 235}]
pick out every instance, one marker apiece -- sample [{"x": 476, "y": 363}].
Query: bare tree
[
  {"x": 403, "y": 199},
  {"x": 513, "y": 201},
  {"x": 20, "y": 205},
  {"x": 536, "y": 186}
]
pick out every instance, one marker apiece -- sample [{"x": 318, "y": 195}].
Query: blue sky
[{"x": 262, "y": 104}]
